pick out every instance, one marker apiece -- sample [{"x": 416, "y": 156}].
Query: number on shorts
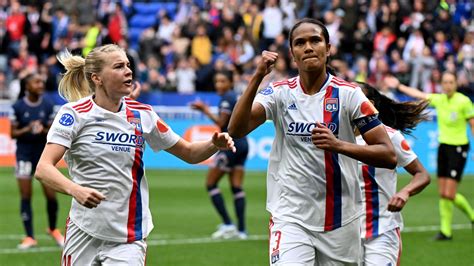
[
  {"x": 277, "y": 234},
  {"x": 23, "y": 168}
]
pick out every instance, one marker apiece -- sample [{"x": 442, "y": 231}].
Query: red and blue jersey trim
[
  {"x": 333, "y": 214},
  {"x": 371, "y": 202},
  {"x": 134, "y": 224},
  {"x": 83, "y": 107}
]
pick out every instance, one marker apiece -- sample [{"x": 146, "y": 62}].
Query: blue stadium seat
[
  {"x": 148, "y": 8},
  {"x": 134, "y": 37},
  {"x": 142, "y": 21}
]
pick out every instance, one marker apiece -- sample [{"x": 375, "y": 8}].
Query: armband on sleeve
[{"x": 366, "y": 123}]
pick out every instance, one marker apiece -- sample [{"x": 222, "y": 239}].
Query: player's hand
[
  {"x": 137, "y": 89},
  {"x": 36, "y": 127},
  {"x": 267, "y": 62},
  {"x": 200, "y": 106},
  {"x": 88, "y": 197},
  {"x": 223, "y": 141},
  {"x": 323, "y": 138},
  {"x": 398, "y": 201}
]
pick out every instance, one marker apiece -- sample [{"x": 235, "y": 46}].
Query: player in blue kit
[
  {"x": 226, "y": 161},
  {"x": 102, "y": 135},
  {"x": 31, "y": 118}
]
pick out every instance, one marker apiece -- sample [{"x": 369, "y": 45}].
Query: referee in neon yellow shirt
[{"x": 454, "y": 111}]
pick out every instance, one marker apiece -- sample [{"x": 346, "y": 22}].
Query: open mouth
[{"x": 128, "y": 82}]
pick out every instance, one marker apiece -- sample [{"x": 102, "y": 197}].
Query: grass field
[{"x": 184, "y": 220}]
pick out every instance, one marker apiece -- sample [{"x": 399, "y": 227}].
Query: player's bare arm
[
  {"x": 48, "y": 174},
  {"x": 379, "y": 152},
  {"x": 419, "y": 181},
  {"x": 198, "y": 151},
  {"x": 246, "y": 115}
]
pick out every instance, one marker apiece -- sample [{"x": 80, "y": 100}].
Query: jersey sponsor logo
[
  {"x": 119, "y": 140},
  {"x": 66, "y": 120},
  {"x": 331, "y": 104},
  {"x": 304, "y": 129},
  {"x": 267, "y": 91},
  {"x": 292, "y": 107}
]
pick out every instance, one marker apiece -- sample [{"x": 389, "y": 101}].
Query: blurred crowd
[{"x": 415, "y": 40}]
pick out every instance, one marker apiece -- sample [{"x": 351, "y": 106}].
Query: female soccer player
[
  {"x": 32, "y": 117},
  {"x": 225, "y": 161},
  {"x": 454, "y": 111},
  {"x": 382, "y": 221},
  {"x": 102, "y": 135},
  {"x": 312, "y": 181}
]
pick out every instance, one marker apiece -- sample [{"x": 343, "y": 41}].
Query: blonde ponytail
[
  {"x": 73, "y": 85},
  {"x": 77, "y": 81}
]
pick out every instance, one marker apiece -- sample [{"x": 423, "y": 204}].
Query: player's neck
[
  {"x": 108, "y": 104},
  {"x": 33, "y": 98},
  {"x": 312, "y": 82}
]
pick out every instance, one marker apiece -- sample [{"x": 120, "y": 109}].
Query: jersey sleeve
[
  {"x": 434, "y": 99},
  {"x": 65, "y": 126},
  {"x": 363, "y": 113},
  {"x": 13, "y": 115},
  {"x": 468, "y": 110},
  {"x": 267, "y": 98},
  {"x": 405, "y": 155},
  {"x": 160, "y": 136}
]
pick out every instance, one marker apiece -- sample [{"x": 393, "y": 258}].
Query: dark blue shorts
[
  {"x": 27, "y": 158},
  {"x": 227, "y": 160}
]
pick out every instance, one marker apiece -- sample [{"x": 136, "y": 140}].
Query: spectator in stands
[
  {"x": 92, "y": 38},
  {"x": 32, "y": 116},
  {"x": 272, "y": 19},
  {"x": 253, "y": 22},
  {"x": 166, "y": 27},
  {"x": 422, "y": 66},
  {"x": 185, "y": 77},
  {"x": 117, "y": 25},
  {"x": 226, "y": 162},
  {"x": 59, "y": 28},
  {"x": 110, "y": 193},
  {"x": 454, "y": 112},
  {"x": 201, "y": 46},
  {"x": 4, "y": 92},
  {"x": 15, "y": 27}
]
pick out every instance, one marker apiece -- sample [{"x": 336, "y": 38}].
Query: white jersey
[
  {"x": 379, "y": 185},
  {"x": 105, "y": 152},
  {"x": 315, "y": 188}
]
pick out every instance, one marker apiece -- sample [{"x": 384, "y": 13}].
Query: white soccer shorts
[
  {"x": 292, "y": 244},
  {"x": 384, "y": 249},
  {"x": 83, "y": 249}
]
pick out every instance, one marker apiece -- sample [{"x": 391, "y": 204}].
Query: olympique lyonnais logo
[
  {"x": 136, "y": 123},
  {"x": 275, "y": 256},
  {"x": 331, "y": 105}
]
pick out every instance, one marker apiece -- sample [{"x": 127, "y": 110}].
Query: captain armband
[{"x": 366, "y": 123}]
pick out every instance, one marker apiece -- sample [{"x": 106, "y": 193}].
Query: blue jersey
[
  {"x": 227, "y": 159},
  {"x": 226, "y": 105},
  {"x": 24, "y": 112}
]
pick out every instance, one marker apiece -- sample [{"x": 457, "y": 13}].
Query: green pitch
[{"x": 184, "y": 220}]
